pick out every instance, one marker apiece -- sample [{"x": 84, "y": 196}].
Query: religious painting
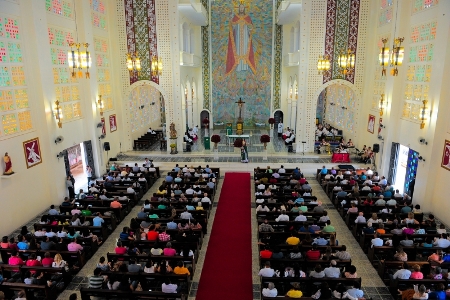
[
  {"x": 102, "y": 120},
  {"x": 112, "y": 123},
  {"x": 446, "y": 155},
  {"x": 32, "y": 151},
  {"x": 241, "y": 36},
  {"x": 371, "y": 124}
]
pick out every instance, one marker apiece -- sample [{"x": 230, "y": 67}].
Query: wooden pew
[{"x": 87, "y": 293}]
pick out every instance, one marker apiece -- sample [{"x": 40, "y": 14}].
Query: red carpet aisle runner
[{"x": 227, "y": 272}]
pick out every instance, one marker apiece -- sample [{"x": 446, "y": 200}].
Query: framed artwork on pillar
[
  {"x": 103, "y": 126},
  {"x": 112, "y": 123},
  {"x": 446, "y": 155},
  {"x": 32, "y": 151},
  {"x": 371, "y": 124}
]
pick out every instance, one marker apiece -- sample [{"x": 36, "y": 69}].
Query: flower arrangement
[
  {"x": 264, "y": 139},
  {"x": 173, "y": 145},
  {"x": 215, "y": 139},
  {"x": 237, "y": 143},
  {"x": 271, "y": 121}
]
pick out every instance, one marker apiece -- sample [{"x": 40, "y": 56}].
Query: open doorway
[
  {"x": 75, "y": 164},
  {"x": 404, "y": 163}
]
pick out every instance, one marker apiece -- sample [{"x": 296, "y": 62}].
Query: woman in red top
[
  {"x": 4, "y": 244},
  {"x": 169, "y": 251},
  {"x": 152, "y": 234},
  {"x": 47, "y": 261},
  {"x": 13, "y": 244},
  {"x": 313, "y": 254},
  {"x": 120, "y": 249},
  {"x": 416, "y": 274},
  {"x": 33, "y": 262}
]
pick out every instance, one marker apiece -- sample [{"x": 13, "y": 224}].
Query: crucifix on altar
[{"x": 240, "y": 123}]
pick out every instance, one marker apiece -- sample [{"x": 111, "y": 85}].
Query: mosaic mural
[
  {"x": 341, "y": 34},
  {"x": 277, "y": 63},
  {"x": 241, "y": 61},
  {"x": 102, "y": 61},
  {"x": 60, "y": 7},
  {"x": 420, "y": 5},
  {"x": 141, "y": 35},
  {"x": 15, "y": 112},
  {"x": 98, "y": 14}
]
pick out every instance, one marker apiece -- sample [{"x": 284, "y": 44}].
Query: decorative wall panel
[
  {"x": 62, "y": 8},
  {"x": 141, "y": 112},
  {"x": 98, "y": 14},
  {"x": 277, "y": 62},
  {"x": 141, "y": 35},
  {"x": 15, "y": 112},
  {"x": 421, "y": 5},
  {"x": 242, "y": 59},
  {"x": 103, "y": 63},
  {"x": 385, "y": 14},
  {"x": 205, "y": 61},
  {"x": 341, "y": 35}
]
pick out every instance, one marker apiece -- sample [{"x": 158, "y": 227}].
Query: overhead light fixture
[
  {"x": 156, "y": 66},
  {"x": 100, "y": 104},
  {"x": 323, "y": 64},
  {"x": 422, "y": 117},
  {"x": 383, "y": 57},
  {"x": 381, "y": 105},
  {"x": 77, "y": 59},
  {"x": 58, "y": 113},
  {"x": 347, "y": 62},
  {"x": 133, "y": 63}
]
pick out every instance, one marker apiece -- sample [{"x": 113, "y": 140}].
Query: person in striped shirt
[{"x": 96, "y": 281}]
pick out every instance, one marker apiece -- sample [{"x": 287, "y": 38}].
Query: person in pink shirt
[
  {"x": 15, "y": 260},
  {"x": 169, "y": 251},
  {"x": 120, "y": 249},
  {"x": 416, "y": 274},
  {"x": 74, "y": 246},
  {"x": 32, "y": 261}
]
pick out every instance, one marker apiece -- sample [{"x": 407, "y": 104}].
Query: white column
[
  {"x": 287, "y": 115},
  {"x": 293, "y": 115},
  {"x": 189, "y": 116}
]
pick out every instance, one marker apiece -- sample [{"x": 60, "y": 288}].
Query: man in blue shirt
[
  {"x": 299, "y": 200},
  {"x": 320, "y": 241},
  {"x": 387, "y": 194},
  {"x": 324, "y": 171},
  {"x": 98, "y": 220},
  {"x": 177, "y": 168},
  {"x": 355, "y": 291},
  {"x": 172, "y": 225},
  {"x": 363, "y": 176},
  {"x": 207, "y": 169},
  {"x": 53, "y": 211},
  {"x": 377, "y": 242},
  {"x": 169, "y": 178}
]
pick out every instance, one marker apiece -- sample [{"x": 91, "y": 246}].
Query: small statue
[
  {"x": 173, "y": 132},
  {"x": 8, "y": 165}
]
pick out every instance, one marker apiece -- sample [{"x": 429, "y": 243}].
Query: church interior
[{"x": 97, "y": 82}]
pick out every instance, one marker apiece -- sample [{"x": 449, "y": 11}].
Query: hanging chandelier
[
  {"x": 323, "y": 64},
  {"x": 397, "y": 55},
  {"x": 347, "y": 62},
  {"x": 156, "y": 66},
  {"x": 383, "y": 57},
  {"x": 133, "y": 63}
]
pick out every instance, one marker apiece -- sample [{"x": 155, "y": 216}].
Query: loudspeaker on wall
[
  {"x": 376, "y": 148},
  {"x": 106, "y": 146}
]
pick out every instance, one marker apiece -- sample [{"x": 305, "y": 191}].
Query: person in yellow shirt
[
  {"x": 293, "y": 240},
  {"x": 180, "y": 269},
  {"x": 295, "y": 291}
]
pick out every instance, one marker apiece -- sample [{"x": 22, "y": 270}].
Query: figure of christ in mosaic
[{"x": 240, "y": 55}]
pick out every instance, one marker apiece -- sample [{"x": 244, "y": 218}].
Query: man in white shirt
[
  {"x": 369, "y": 172},
  {"x": 366, "y": 188},
  {"x": 383, "y": 181},
  {"x": 282, "y": 217},
  {"x": 380, "y": 201},
  {"x": 186, "y": 215},
  {"x": 360, "y": 218},
  {"x": 168, "y": 287},
  {"x": 403, "y": 273},
  {"x": 281, "y": 170},
  {"x": 267, "y": 271},
  {"x": 332, "y": 271},
  {"x": 261, "y": 186},
  {"x": 93, "y": 189},
  {"x": 443, "y": 242},
  {"x": 270, "y": 291},
  {"x": 130, "y": 190},
  {"x": 300, "y": 217},
  {"x": 377, "y": 242},
  {"x": 397, "y": 194},
  {"x": 205, "y": 199},
  {"x": 189, "y": 191},
  {"x": 368, "y": 181},
  {"x": 391, "y": 202}
]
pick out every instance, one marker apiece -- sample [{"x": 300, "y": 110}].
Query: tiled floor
[{"x": 371, "y": 282}]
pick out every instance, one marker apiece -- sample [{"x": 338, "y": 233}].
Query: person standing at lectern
[{"x": 280, "y": 128}]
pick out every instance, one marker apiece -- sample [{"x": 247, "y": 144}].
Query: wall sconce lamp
[
  {"x": 100, "y": 104},
  {"x": 133, "y": 63},
  {"x": 343, "y": 107},
  {"x": 323, "y": 64},
  {"x": 156, "y": 66},
  {"x": 381, "y": 105},
  {"x": 58, "y": 113},
  {"x": 422, "y": 117},
  {"x": 331, "y": 103},
  {"x": 383, "y": 57},
  {"x": 421, "y": 158},
  {"x": 397, "y": 55},
  {"x": 296, "y": 92}
]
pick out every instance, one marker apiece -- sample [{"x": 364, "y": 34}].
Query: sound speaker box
[
  {"x": 106, "y": 146},
  {"x": 376, "y": 148}
]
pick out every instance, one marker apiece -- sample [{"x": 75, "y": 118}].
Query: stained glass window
[
  {"x": 66, "y": 87},
  {"x": 15, "y": 111}
]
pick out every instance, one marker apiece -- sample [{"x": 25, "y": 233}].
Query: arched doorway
[
  {"x": 336, "y": 107},
  {"x": 279, "y": 118}
]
